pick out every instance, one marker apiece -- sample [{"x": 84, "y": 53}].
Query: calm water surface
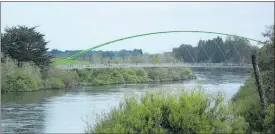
[{"x": 57, "y": 111}]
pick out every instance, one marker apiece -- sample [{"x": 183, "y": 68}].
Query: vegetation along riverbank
[
  {"x": 29, "y": 66},
  {"x": 29, "y": 77}
]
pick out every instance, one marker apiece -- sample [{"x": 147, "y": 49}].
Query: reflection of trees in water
[
  {"x": 219, "y": 75},
  {"x": 24, "y": 112},
  {"x": 30, "y": 97}
]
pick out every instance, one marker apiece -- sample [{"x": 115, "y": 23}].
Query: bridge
[{"x": 149, "y": 65}]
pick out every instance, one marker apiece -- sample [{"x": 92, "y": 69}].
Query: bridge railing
[{"x": 154, "y": 65}]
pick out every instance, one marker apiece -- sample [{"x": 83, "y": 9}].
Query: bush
[
  {"x": 83, "y": 75},
  {"x": 26, "y": 78},
  {"x": 8, "y": 66},
  {"x": 117, "y": 77},
  {"x": 29, "y": 77},
  {"x": 53, "y": 83},
  {"x": 21, "y": 80},
  {"x": 69, "y": 78},
  {"x": 63, "y": 78},
  {"x": 154, "y": 74},
  {"x": 142, "y": 74},
  {"x": 178, "y": 112},
  {"x": 171, "y": 74}
]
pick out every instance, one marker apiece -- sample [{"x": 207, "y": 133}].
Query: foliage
[
  {"x": 139, "y": 75},
  {"x": 90, "y": 55},
  {"x": 30, "y": 77},
  {"x": 27, "y": 78},
  {"x": 83, "y": 75},
  {"x": 169, "y": 74},
  {"x": 247, "y": 98},
  {"x": 7, "y": 68},
  {"x": 233, "y": 49},
  {"x": 53, "y": 83},
  {"x": 25, "y": 45},
  {"x": 177, "y": 112},
  {"x": 156, "y": 60},
  {"x": 270, "y": 119},
  {"x": 60, "y": 61},
  {"x": 117, "y": 61},
  {"x": 167, "y": 57},
  {"x": 68, "y": 78}
]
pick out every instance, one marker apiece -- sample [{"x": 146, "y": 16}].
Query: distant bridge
[{"x": 147, "y": 65}]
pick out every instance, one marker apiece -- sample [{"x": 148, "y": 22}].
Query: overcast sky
[{"x": 82, "y": 25}]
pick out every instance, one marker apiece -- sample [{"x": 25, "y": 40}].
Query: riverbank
[
  {"x": 30, "y": 78},
  {"x": 135, "y": 75}
]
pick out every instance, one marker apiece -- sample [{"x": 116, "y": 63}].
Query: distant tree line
[
  {"x": 216, "y": 50},
  {"x": 104, "y": 54}
]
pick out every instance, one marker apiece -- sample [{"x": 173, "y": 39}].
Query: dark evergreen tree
[{"x": 25, "y": 44}]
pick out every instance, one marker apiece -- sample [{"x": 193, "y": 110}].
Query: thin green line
[{"x": 129, "y": 37}]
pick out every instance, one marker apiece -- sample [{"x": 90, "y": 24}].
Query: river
[{"x": 63, "y": 111}]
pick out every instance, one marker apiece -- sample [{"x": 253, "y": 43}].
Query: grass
[{"x": 59, "y": 61}]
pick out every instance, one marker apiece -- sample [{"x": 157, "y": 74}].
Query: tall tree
[{"x": 25, "y": 44}]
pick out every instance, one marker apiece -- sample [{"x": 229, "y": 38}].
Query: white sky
[{"x": 82, "y": 25}]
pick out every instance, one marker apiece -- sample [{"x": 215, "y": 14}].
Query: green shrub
[
  {"x": 68, "y": 77},
  {"x": 154, "y": 73},
  {"x": 142, "y": 74},
  {"x": 120, "y": 76},
  {"x": 83, "y": 75},
  {"x": 117, "y": 77},
  {"x": 177, "y": 112},
  {"x": 53, "y": 83},
  {"x": 247, "y": 98},
  {"x": 172, "y": 74},
  {"x": 270, "y": 119},
  {"x": 21, "y": 80},
  {"x": 7, "y": 68}
]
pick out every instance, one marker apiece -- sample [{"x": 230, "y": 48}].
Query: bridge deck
[{"x": 143, "y": 65}]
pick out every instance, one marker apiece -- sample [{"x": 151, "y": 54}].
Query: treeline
[
  {"x": 166, "y": 57},
  {"x": 88, "y": 56},
  {"x": 216, "y": 50}
]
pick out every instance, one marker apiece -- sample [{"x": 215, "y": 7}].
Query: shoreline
[{"x": 86, "y": 84}]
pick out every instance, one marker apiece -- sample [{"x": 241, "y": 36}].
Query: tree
[{"x": 25, "y": 45}]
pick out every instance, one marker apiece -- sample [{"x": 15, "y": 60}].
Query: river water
[{"x": 59, "y": 111}]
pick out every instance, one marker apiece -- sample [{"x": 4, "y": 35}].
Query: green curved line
[{"x": 129, "y": 37}]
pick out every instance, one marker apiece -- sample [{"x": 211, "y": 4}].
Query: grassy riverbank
[{"x": 29, "y": 77}]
